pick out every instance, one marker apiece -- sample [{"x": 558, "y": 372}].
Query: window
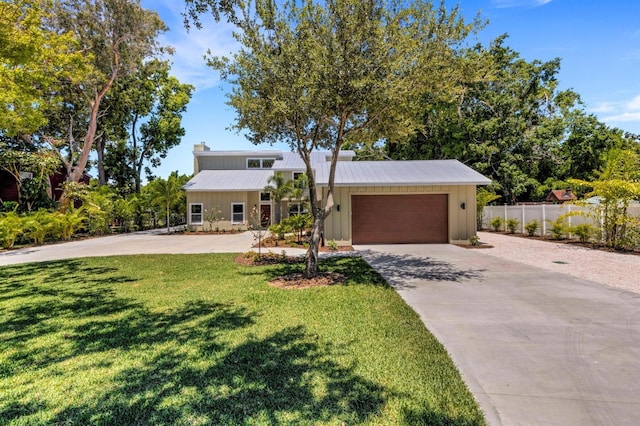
[
  {"x": 260, "y": 163},
  {"x": 237, "y": 213},
  {"x": 195, "y": 214},
  {"x": 296, "y": 175},
  {"x": 265, "y": 196},
  {"x": 296, "y": 208}
]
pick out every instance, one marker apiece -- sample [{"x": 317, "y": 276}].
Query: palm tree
[
  {"x": 279, "y": 188},
  {"x": 167, "y": 193}
]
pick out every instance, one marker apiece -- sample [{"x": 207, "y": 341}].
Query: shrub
[
  {"x": 40, "y": 226},
  {"x": 298, "y": 223},
  {"x": 10, "y": 229},
  {"x": 512, "y": 225},
  {"x": 69, "y": 223},
  {"x": 333, "y": 246},
  {"x": 280, "y": 229},
  {"x": 531, "y": 227},
  {"x": 584, "y": 231},
  {"x": 9, "y": 206},
  {"x": 496, "y": 223},
  {"x": 559, "y": 228},
  {"x": 474, "y": 240}
]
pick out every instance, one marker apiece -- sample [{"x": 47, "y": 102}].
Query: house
[
  {"x": 560, "y": 196},
  {"x": 9, "y": 187},
  {"x": 375, "y": 201}
]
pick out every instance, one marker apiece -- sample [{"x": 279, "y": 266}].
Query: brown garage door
[{"x": 393, "y": 219}]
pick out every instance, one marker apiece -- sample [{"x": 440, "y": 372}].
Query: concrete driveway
[
  {"x": 535, "y": 347},
  {"x": 146, "y": 242}
]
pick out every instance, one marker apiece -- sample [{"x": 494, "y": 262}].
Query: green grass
[{"x": 197, "y": 339}]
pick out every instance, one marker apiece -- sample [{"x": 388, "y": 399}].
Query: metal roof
[
  {"x": 255, "y": 153},
  {"x": 229, "y": 180},
  {"x": 293, "y": 161},
  {"x": 385, "y": 173}
]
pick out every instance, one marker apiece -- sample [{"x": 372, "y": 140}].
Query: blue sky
[{"x": 598, "y": 42}]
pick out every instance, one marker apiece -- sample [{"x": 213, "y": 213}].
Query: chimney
[{"x": 201, "y": 147}]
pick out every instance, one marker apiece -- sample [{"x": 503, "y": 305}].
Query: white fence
[{"x": 546, "y": 213}]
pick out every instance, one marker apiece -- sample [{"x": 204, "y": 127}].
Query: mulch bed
[
  {"x": 268, "y": 258},
  {"x": 271, "y": 242},
  {"x": 571, "y": 241},
  {"x": 478, "y": 246},
  {"x": 292, "y": 281},
  {"x": 298, "y": 281}
]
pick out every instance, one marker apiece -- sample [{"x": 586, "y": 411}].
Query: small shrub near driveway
[
  {"x": 512, "y": 225},
  {"x": 531, "y": 227},
  {"x": 496, "y": 223}
]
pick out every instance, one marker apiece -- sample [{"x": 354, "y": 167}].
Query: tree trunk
[
  {"x": 102, "y": 178},
  {"x": 311, "y": 269},
  {"x": 168, "y": 213}
]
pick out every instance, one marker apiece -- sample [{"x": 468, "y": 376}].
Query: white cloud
[
  {"x": 634, "y": 104},
  {"x": 625, "y": 111},
  {"x": 518, "y": 3},
  {"x": 190, "y": 47},
  {"x": 605, "y": 107}
]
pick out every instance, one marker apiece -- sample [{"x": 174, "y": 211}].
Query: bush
[
  {"x": 333, "y": 246},
  {"x": 69, "y": 223},
  {"x": 9, "y": 206},
  {"x": 512, "y": 225},
  {"x": 584, "y": 231},
  {"x": 474, "y": 240},
  {"x": 298, "y": 223},
  {"x": 40, "y": 226},
  {"x": 496, "y": 223},
  {"x": 559, "y": 228},
  {"x": 10, "y": 229},
  {"x": 531, "y": 227},
  {"x": 280, "y": 230}
]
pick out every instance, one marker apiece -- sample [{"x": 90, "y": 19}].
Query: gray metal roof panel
[
  {"x": 418, "y": 172},
  {"x": 292, "y": 160},
  {"x": 229, "y": 180}
]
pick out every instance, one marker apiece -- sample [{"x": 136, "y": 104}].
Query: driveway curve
[
  {"x": 535, "y": 347},
  {"x": 144, "y": 242}
]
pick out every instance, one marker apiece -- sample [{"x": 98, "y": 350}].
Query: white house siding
[
  {"x": 222, "y": 201},
  {"x": 462, "y": 223}
]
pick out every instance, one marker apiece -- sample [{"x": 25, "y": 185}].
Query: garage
[{"x": 400, "y": 219}]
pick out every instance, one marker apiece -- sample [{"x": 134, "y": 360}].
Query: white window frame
[
  {"x": 292, "y": 204},
  {"x": 244, "y": 212},
  {"x": 191, "y": 222},
  {"x": 268, "y": 200},
  {"x": 261, "y": 161}
]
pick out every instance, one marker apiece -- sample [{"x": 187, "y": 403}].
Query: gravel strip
[{"x": 612, "y": 269}]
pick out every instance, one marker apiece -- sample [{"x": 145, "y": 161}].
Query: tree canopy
[{"x": 317, "y": 75}]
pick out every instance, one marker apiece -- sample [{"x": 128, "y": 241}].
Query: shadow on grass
[
  {"x": 196, "y": 363},
  {"x": 354, "y": 267},
  {"x": 401, "y": 269},
  {"x": 286, "y": 377}
]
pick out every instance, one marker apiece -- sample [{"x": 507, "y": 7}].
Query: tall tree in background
[
  {"x": 145, "y": 111},
  {"x": 33, "y": 59},
  {"x": 118, "y": 35},
  {"x": 318, "y": 75},
  {"x": 507, "y": 123}
]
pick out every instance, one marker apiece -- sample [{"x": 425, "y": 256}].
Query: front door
[{"x": 265, "y": 215}]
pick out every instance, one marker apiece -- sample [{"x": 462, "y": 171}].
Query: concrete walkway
[
  {"x": 535, "y": 347},
  {"x": 146, "y": 242}
]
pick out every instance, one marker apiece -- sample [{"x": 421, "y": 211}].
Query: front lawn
[{"x": 198, "y": 339}]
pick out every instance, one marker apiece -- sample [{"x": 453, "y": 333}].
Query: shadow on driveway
[{"x": 404, "y": 271}]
